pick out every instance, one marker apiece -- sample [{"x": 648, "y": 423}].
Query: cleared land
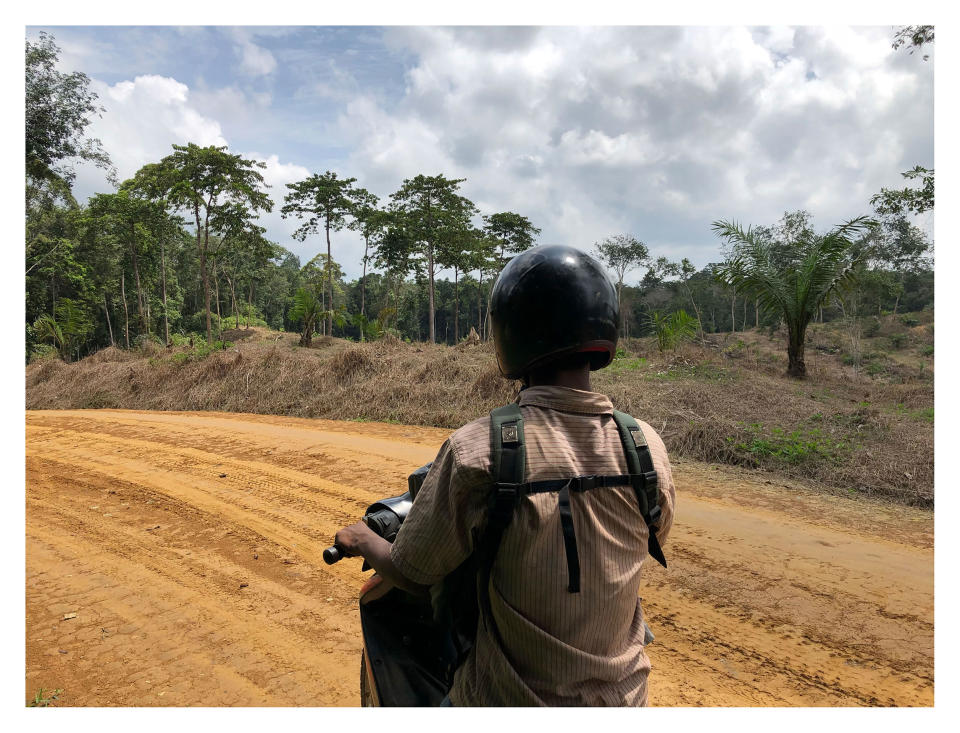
[
  {"x": 724, "y": 400},
  {"x": 188, "y": 546}
]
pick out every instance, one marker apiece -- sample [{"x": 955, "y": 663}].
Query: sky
[{"x": 588, "y": 131}]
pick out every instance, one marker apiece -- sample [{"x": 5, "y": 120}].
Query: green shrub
[
  {"x": 909, "y": 320},
  {"x": 927, "y": 350},
  {"x": 198, "y": 322},
  {"x": 872, "y": 327},
  {"x": 925, "y": 414},
  {"x": 790, "y": 447},
  {"x": 735, "y": 351},
  {"x": 631, "y": 364},
  {"x": 200, "y": 349},
  {"x": 673, "y": 329},
  {"x": 42, "y": 352},
  {"x": 898, "y": 340}
]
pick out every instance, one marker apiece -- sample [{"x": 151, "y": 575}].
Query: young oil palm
[
  {"x": 815, "y": 268},
  {"x": 308, "y": 309}
]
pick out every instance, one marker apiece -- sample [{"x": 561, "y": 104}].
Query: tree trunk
[
  {"x": 233, "y": 295},
  {"x": 126, "y": 313},
  {"x": 323, "y": 305},
  {"x": 696, "y": 310},
  {"x": 204, "y": 275},
  {"x": 744, "y": 315},
  {"x": 433, "y": 330},
  {"x": 307, "y": 336},
  {"x": 620, "y": 306},
  {"x": 106, "y": 311},
  {"x": 250, "y": 304},
  {"x": 363, "y": 280},
  {"x": 216, "y": 291},
  {"x": 479, "y": 302},
  {"x": 733, "y": 319},
  {"x": 795, "y": 366},
  {"x": 756, "y": 312},
  {"x": 456, "y": 308},
  {"x": 329, "y": 279},
  {"x": 163, "y": 271},
  {"x": 136, "y": 274},
  {"x": 486, "y": 316}
]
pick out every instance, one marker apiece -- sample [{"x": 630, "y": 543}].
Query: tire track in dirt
[{"x": 196, "y": 589}]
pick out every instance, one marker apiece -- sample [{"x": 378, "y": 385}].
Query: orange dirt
[{"x": 192, "y": 588}]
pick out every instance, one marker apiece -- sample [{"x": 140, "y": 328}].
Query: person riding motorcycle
[{"x": 554, "y": 628}]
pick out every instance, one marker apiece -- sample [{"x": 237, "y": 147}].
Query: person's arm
[{"x": 359, "y": 539}]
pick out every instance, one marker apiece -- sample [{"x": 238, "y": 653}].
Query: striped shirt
[{"x": 558, "y": 648}]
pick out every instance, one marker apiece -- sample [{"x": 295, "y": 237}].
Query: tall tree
[
  {"x": 396, "y": 254},
  {"x": 322, "y": 200},
  {"x": 209, "y": 182},
  {"x": 370, "y": 220},
  {"x": 900, "y": 247},
  {"x": 820, "y": 267},
  {"x": 59, "y": 107},
  {"x": 138, "y": 226},
  {"x": 484, "y": 258},
  {"x": 427, "y": 208},
  {"x": 622, "y": 253},
  {"x": 513, "y": 234},
  {"x": 456, "y": 251}
]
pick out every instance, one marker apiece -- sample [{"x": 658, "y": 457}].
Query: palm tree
[
  {"x": 306, "y": 308},
  {"x": 796, "y": 285}
]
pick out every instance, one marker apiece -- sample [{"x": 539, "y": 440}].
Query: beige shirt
[{"x": 559, "y": 648}]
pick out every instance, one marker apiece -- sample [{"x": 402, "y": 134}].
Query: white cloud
[
  {"x": 588, "y": 131},
  {"x": 254, "y": 59},
  {"x": 142, "y": 119},
  {"x": 653, "y": 130}
]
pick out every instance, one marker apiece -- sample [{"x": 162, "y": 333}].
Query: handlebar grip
[{"x": 332, "y": 555}]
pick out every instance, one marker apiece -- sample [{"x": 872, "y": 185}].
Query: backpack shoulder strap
[
  {"x": 506, "y": 444},
  {"x": 644, "y": 478},
  {"x": 508, "y": 467}
]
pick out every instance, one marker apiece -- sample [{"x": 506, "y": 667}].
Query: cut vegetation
[{"x": 856, "y": 427}]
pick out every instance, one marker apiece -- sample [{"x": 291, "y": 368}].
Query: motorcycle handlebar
[{"x": 332, "y": 555}]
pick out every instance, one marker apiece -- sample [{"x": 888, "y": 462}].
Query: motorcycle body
[{"x": 407, "y": 659}]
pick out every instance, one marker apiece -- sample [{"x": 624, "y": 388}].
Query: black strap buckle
[
  {"x": 584, "y": 483},
  {"x": 503, "y": 500},
  {"x": 654, "y": 516}
]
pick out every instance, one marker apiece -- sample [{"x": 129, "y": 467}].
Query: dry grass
[{"x": 726, "y": 400}]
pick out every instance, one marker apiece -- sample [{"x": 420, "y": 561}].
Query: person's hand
[{"x": 353, "y": 539}]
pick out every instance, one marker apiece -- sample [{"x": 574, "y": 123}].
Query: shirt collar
[{"x": 566, "y": 399}]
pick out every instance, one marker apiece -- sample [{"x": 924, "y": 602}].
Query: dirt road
[{"x": 188, "y": 546}]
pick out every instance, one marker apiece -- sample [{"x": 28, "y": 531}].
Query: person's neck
[{"x": 572, "y": 378}]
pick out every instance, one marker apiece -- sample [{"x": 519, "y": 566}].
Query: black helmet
[{"x": 549, "y": 302}]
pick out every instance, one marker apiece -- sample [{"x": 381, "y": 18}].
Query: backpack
[{"x": 458, "y": 598}]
